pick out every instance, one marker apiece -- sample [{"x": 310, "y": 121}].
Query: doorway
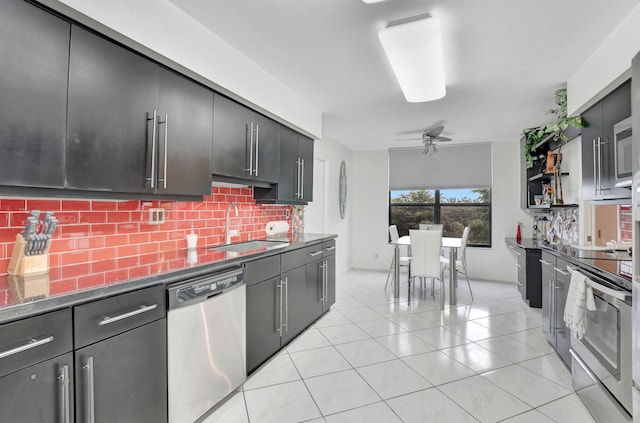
[
  {"x": 315, "y": 213},
  {"x": 605, "y": 224}
]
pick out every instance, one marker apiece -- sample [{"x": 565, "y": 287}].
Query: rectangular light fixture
[
  {"x": 372, "y": 1},
  {"x": 414, "y": 49}
]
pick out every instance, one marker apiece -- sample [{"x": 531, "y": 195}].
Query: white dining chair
[
  {"x": 425, "y": 259},
  {"x": 430, "y": 226},
  {"x": 404, "y": 260},
  {"x": 461, "y": 261}
]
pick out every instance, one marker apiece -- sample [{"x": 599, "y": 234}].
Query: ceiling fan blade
[
  {"x": 443, "y": 139},
  {"x": 434, "y": 132},
  {"x": 409, "y": 139}
]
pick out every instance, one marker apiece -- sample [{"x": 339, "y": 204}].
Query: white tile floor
[{"x": 373, "y": 360}]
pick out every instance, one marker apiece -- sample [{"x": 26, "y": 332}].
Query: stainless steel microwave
[{"x": 623, "y": 158}]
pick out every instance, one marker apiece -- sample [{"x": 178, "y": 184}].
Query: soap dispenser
[{"x": 192, "y": 240}]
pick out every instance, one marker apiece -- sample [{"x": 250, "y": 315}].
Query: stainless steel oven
[
  {"x": 602, "y": 359},
  {"x": 622, "y": 133}
]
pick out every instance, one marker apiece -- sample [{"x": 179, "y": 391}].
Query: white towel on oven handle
[{"x": 579, "y": 298}]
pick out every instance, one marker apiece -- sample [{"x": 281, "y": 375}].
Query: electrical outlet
[
  {"x": 156, "y": 216},
  {"x": 287, "y": 213}
]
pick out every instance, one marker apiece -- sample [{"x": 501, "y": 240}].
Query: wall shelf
[{"x": 545, "y": 176}]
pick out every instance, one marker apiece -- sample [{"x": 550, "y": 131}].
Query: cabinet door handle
[
  {"x": 166, "y": 144},
  {"x": 322, "y": 282},
  {"x": 595, "y": 167},
  {"x": 250, "y": 130},
  {"x": 519, "y": 266},
  {"x": 257, "y": 146},
  {"x": 106, "y": 320},
  {"x": 286, "y": 304},
  {"x": 326, "y": 281},
  {"x": 64, "y": 394},
  {"x": 561, "y": 271},
  {"x": 546, "y": 263},
  {"x": 298, "y": 195},
  {"x": 279, "y": 327},
  {"x": 302, "y": 181},
  {"x": 330, "y": 248},
  {"x": 315, "y": 253},
  {"x": 90, "y": 399},
  {"x": 154, "y": 135},
  {"x": 518, "y": 253},
  {"x": 550, "y": 305},
  {"x": 31, "y": 343}
]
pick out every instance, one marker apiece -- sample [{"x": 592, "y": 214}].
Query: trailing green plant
[{"x": 555, "y": 128}]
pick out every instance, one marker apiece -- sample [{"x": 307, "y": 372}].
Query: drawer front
[
  {"x": 328, "y": 248},
  {"x": 261, "y": 270},
  {"x": 314, "y": 253},
  {"x": 29, "y": 341},
  {"x": 296, "y": 258},
  {"x": 548, "y": 262},
  {"x": 105, "y": 318}
]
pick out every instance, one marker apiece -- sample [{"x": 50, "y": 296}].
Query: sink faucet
[{"x": 227, "y": 231}]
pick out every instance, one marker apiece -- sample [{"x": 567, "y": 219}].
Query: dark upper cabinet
[
  {"x": 598, "y": 149},
  {"x": 185, "y": 135},
  {"x": 133, "y": 126},
  {"x": 33, "y": 83},
  {"x": 295, "y": 180},
  {"x": 245, "y": 143},
  {"x": 112, "y": 97}
]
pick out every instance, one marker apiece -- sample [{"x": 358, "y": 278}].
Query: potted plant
[{"x": 555, "y": 129}]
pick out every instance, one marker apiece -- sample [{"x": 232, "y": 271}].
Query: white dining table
[{"x": 451, "y": 243}]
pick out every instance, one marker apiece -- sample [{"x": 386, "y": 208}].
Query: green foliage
[
  {"x": 555, "y": 128},
  {"x": 410, "y": 209}
]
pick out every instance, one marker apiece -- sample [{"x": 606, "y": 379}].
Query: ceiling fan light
[{"x": 414, "y": 49}]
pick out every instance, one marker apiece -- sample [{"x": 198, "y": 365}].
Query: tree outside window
[{"x": 454, "y": 208}]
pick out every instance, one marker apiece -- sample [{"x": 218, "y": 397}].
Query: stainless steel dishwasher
[{"x": 206, "y": 338}]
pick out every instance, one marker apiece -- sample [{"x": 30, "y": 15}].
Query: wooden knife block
[{"x": 21, "y": 265}]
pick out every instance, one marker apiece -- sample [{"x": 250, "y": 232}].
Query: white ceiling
[{"x": 503, "y": 60}]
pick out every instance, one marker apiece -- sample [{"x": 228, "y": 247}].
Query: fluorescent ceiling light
[
  {"x": 414, "y": 49},
  {"x": 372, "y": 1}
]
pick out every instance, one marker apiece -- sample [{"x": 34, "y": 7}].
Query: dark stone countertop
[{"x": 190, "y": 264}]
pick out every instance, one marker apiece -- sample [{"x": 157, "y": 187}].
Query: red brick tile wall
[
  {"x": 101, "y": 242},
  {"x": 626, "y": 224}
]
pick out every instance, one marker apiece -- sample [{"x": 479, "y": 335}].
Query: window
[{"x": 454, "y": 208}]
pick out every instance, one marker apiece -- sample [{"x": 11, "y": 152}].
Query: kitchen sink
[{"x": 243, "y": 247}]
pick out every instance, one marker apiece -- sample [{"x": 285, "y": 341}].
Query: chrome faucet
[{"x": 227, "y": 231}]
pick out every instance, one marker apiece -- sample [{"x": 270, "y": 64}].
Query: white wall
[
  {"x": 370, "y": 218},
  {"x": 165, "y": 29},
  {"x": 333, "y": 153},
  {"x": 607, "y": 67}
]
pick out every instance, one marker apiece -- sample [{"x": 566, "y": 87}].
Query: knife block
[{"x": 21, "y": 265}]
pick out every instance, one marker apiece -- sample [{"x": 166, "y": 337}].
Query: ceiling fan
[{"x": 429, "y": 139}]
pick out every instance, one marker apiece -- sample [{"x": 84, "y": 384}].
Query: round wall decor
[{"x": 343, "y": 189}]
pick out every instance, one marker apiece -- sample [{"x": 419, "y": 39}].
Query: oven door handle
[{"x": 615, "y": 293}]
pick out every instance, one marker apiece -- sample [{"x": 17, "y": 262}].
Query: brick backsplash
[{"x": 113, "y": 240}]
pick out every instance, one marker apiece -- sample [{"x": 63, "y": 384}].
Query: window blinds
[{"x": 456, "y": 166}]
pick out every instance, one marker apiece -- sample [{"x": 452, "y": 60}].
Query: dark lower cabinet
[
  {"x": 36, "y": 369},
  {"x": 121, "y": 358},
  {"x": 555, "y": 287},
  {"x": 33, "y": 83},
  {"x": 330, "y": 275},
  {"x": 263, "y": 321},
  {"x": 124, "y": 378},
  {"x": 281, "y": 306},
  {"x": 529, "y": 271},
  {"x": 42, "y": 393},
  {"x": 300, "y": 297}
]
